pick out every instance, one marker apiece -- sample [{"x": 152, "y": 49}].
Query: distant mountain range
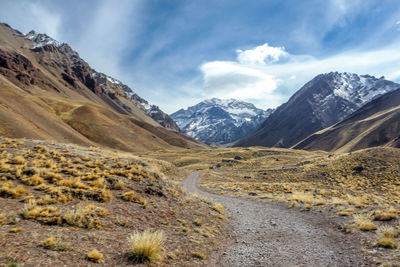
[
  {"x": 47, "y": 91},
  {"x": 325, "y": 100},
  {"x": 220, "y": 121}
]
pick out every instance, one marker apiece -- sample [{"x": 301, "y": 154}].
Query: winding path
[{"x": 268, "y": 234}]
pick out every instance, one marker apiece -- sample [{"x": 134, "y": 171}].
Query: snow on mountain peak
[
  {"x": 220, "y": 120},
  {"x": 359, "y": 89},
  {"x": 41, "y": 39}
]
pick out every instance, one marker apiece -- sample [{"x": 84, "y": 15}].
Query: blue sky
[{"x": 177, "y": 53}]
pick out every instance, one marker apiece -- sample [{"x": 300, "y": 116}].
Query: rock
[
  {"x": 246, "y": 177},
  {"x": 211, "y": 167},
  {"x": 238, "y": 158},
  {"x": 218, "y": 165},
  {"x": 252, "y": 194}
]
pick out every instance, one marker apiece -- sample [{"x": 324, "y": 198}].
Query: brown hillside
[
  {"x": 49, "y": 92},
  {"x": 375, "y": 124}
]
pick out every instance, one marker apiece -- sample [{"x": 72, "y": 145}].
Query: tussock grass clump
[
  {"x": 33, "y": 180},
  {"x": 46, "y": 215},
  {"x": 198, "y": 255},
  {"x": 16, "y": 230},
  {"x": 218, "y": 208},
  {"x": 95, "y": 255},
  {"x": 302, "y": 197},
  {"x": 387, "y": 242},
  {"x": 364, "y": 222},
  {"x": 119, "y": 185},
  {"x": 147, "y": 246},
  {"x": 7, "y": 189},
  {"x": 386, "y": 235},
  {"x": 132, "y": 197},
  {"x": 19, "y": 160},
  {"x": 53, "y": 244},
  {"x": 87, "y": 217},
  {"x": 381, "y": 215},
  {"x": 47, "y": 199}
]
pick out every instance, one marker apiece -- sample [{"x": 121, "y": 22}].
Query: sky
[{"x": 176, "y": 53}]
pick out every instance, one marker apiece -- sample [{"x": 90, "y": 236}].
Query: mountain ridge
[
  {"x": 374, "y": 124},
  {"x": 49, "y": 92},
  {"x": 325, "y": 100},
  {"x": 220, "y": 121}
]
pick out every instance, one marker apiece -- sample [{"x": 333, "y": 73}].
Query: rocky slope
[
  {"x": 322, "y": 102},
  {"x": 220, "y": 121},
  {"x": 374, "y": 124},
  {"x": 49, "y": 92},
  {"x": 114, "y": 88}
]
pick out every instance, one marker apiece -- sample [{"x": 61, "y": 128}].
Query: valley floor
[
  {"x": 358, "y": 192},
  {"x": 270, "y": 234}
]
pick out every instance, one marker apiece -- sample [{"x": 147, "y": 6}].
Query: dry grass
[
  {"x": 363, "y": 184},
  {"x": 16, "y": 230},
  {"x": 386, "y": 237},
  {"x": 53, "y": 195},
  {"x": 364, "y": 222},
  {"x": 147, "y": 246},
  {"x": 95, "y": 255},
  {"x": 219, "y": 208},
  {"x": 198, "y": 255},
  {"x": 85, "y": 217},
  {"x": 7, "y": 189},
  {"x": 52, "y": 243}
]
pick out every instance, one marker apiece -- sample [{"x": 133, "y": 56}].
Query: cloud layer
[
  {"x": 258, "y": 75},
  {"x": 177, "y": 53}
]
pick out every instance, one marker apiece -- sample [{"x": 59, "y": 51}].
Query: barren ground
[{"x": 270, "y": 234}]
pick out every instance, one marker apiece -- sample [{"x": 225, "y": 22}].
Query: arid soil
[{"x": 270, "y": 234}]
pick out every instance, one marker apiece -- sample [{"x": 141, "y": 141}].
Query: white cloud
[
  {"x": 44, "y": 20},
  {"x": 226, "y": 79},
  {"x": 26, "y": 16},
  {"x": 107, "y": 36},
  {"x": 268, "y": 85},
  {"x": 261, "y": 54}
]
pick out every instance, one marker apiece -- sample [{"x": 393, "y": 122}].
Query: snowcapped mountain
[
  {"x": 220, "y": 121},
  {"x": 41, "y": 39},
  {"x": 322, "y": 102},
  {"x": 110, "y": 86}
]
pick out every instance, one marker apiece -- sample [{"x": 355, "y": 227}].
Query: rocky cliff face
[
  {"x": 220, "y": 121},
  {"x": 77, "y": 72},
  {"x": 48, "y": 92},
  {"x": 325, "y": 100}
]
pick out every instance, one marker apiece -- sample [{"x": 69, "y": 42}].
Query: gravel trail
[{"x": 268, "y": 234}]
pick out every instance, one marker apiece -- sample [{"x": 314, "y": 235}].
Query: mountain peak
[
  {"x": 41, "y": 39},
  {"x": 325, "y": 100},
  {"x": 220, "y": 120}
]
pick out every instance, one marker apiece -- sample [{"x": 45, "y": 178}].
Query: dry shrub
[
  {"x": 54, "y": 244},
  {"x": 46, "y": 215},
  {"x": 147, "y": 246},
  {"x": 94, "y": 255},
  {"x": 16, "y": 230},
  {"x": 218, "y": 208},
  {"x": 131, "y": 196},
  {"x": 364, "y": 222},
  {"x": 7, "y": 189},
  {"x": 302, "y": 197},
  {"x": 381, "y": 215},
  {"x": 33, "y": 180},
  {"x": 198, "y": 255},
  {"x": 47, "y": 199},
  {"x": 18, "y": 160},
  {"x": 87, "y": 217}
]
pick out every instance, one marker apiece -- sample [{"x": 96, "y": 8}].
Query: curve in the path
[{"x": 268, "y": 234}]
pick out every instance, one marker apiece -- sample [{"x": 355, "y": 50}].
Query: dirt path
[{"x": 272, "y": 235}]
